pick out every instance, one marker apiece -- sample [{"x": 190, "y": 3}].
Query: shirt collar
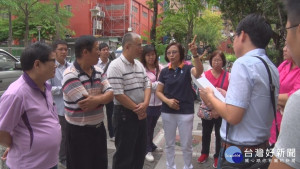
[
  {"x": 59, "y": 65},
  {"x": 100, "y": 61},
  {"x": 180, "y": 66},
  {"x": 123, "y": 58},
  {"x": 32, "y": 84},
  {"x": 256, "y": 52},
  {"x": 77, "y": 66}
]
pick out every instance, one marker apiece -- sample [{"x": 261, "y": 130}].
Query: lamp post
[{"x": 39, "y": 30}]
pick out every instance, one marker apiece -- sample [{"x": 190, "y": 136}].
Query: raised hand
[{"x": 193, "y": 47}]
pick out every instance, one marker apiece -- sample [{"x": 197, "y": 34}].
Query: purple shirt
[{"x": 35, "y": 145}]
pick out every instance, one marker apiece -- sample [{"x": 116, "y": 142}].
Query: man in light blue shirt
[
  {"x": 61, "y": 49},
  {"x": 103, "y": 63},
  {"x": 248, "y": 107}
]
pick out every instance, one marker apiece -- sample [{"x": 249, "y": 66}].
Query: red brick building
[{"x": 109, "y": 18}]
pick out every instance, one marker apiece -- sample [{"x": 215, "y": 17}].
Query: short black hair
[
  {"x": 103, "y": 45},
  {"x": 84, "y": 42},
  {"x": 292, "y": 8},
  {"x": 221, "y": 54},
  {"x": 180, "y": 48},
  {"x": 58, "y": 42},
  {"x": 37, "y": 51},
  {"x": 259, "y": 31}
]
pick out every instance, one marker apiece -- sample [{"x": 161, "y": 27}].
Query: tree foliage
[
  {"x": 31, "y": 13},
  {"x": 180, "y": 17},
  {"x": 272, "y": 10},
  {"x": 208, "y": 28}
]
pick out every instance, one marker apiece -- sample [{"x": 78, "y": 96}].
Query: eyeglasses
[
  {"x": 50, "y": 60},
  {"x": 172, "y": 52},
  {"x": 216, "y": 61},
  {"x": 292, "y": 27},
  {"x": 283, "y": 31},
  {"x": 138, "y": 45},
  {"x": 233, "y": 36},
  {"x": 62, "y": 49},
  {"x": 104, "y": 49}
]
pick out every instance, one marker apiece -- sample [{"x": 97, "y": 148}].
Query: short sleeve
[
  {"x": 103, "y": 78},
  {"x": 161, "y": 79},
  {"x": 287, "y": 147},
  {"x": 73, "y": 88},
  {"x": 115, "y": 79},
  {"x": 10, "y": 112},
  {"x": 239, "y": 89}
]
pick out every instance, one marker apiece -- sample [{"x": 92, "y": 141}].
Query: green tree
[
  {"x": 208, "y": 28},
  {"x": 272, "y": 10},
  {"x": 180, "y": 18},
  {"x": 31, "y": 13},
  {"x": 9, "y": 6}
]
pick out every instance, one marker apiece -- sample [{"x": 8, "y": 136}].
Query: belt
[
  {"x": 263, "y": 145},
  {"x": 95, "y": 125}
]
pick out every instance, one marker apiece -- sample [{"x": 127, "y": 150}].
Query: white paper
[{"x": 203, "y": 83}]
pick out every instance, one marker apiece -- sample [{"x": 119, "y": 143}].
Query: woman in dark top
[{"x": 175, "y": 90}]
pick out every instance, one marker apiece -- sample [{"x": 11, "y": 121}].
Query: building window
[
  {"x": 68, "y": 8},
  {"x": 145, "y": 14},
  {"x": 134, "y": 9},
  {"x": 115, "y": 7}
]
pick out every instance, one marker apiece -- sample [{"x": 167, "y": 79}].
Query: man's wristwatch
[{"x": 195, "y": 56}]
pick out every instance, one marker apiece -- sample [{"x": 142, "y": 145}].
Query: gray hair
[{"x": 129, "y": 37}]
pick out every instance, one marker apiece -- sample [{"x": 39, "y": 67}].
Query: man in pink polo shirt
[{"x": 29, "y": 125}]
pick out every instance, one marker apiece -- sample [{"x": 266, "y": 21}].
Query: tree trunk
[
  {"x": 153, "y": 28},
  {"x": 189, "y": 35}
]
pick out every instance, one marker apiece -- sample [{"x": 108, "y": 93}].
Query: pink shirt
[
  {"x": 289, "y": 79},
  {"x": 36, "y": 146},
  {"x": 289, "y": 83},
  {"x": 218, "y": 81},
  {"x": 154, "y": 100}
]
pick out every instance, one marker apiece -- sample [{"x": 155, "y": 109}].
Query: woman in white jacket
[{"x": 150, "y": 61}]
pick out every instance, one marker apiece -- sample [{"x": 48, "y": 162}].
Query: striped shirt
[
  {"x": 127, "y": 78},
  {"x": 76, "y": 83}
]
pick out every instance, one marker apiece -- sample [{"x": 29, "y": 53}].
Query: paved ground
[{"x": 160, "y": 157}]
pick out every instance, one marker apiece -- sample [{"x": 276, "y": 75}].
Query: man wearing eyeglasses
[
  {"x": 287, "y": 147},
  {"x": 61, "y": 49},
  {"x": 248, "y": 111},
  {"x": 29, "y": 125}
]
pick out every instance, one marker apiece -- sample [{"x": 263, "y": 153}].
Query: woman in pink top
[
  {"x": 289, "y": 78},
  {"x": 150, "y": 61},
  {"x": 215, "y": 75}
]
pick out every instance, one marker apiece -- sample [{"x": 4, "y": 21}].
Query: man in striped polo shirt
[
  {"x": 85, "y": 91},
  {"x": 132, "y": 94}
]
